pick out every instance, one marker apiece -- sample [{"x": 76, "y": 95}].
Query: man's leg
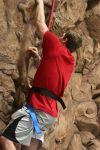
[
  {"x": 33, "y": 146},
  {"x": 6, "y": 144}
]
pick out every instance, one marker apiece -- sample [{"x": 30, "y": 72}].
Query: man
[{"x": 52, "y": 74}]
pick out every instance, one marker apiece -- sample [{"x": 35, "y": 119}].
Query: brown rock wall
[
  {"x": 75, "y": 143},
  {"x": 77, "y": 127}
]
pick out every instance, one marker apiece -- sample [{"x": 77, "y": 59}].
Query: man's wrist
[
  {"x": 38, "y": 1},
  {"x": 37, "y": 58}
]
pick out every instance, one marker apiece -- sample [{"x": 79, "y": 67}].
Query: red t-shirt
[{"x": 52, "y": 74}]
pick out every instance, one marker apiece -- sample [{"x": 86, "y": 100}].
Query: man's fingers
[
  {"x": 34, "y": 52},
  {"x": 32, "y": 48}
]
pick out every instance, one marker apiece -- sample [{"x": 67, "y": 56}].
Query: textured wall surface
[{"x": 78, "y": 126}]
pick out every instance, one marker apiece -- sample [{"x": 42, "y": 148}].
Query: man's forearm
[{"x": 39, "y": 15}]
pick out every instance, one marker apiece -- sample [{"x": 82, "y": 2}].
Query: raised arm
[{"x": 40, "y": 18}]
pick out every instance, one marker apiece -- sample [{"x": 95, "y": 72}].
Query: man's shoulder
[{"x": 49, "y": 35}]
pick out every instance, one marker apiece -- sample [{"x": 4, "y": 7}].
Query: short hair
[{"x": 74, "y": 40}]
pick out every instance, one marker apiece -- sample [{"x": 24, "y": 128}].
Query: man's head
[{"x": 71, "y": 40}]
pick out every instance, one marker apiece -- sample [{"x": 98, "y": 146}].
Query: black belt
[{"x": 48, "y": 94}]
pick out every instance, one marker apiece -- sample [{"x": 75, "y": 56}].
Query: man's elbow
[{"x": 42, "y": 28}]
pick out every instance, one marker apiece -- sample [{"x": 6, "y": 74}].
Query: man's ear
[{"x": 65, "y": 41}]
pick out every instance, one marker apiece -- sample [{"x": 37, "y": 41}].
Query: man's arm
[{"x": 40, "y": 18}]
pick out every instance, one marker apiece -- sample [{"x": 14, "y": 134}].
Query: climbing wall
[{"x": 78, "y": 126}]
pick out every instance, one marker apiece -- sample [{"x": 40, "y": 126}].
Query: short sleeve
[{"x": 50, "y": 42}]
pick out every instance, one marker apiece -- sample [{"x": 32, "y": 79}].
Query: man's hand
[
  {"x": 34, "y": 51},
  {"x": 37, "y": 1},
  {"x": 35, "y": 54}
]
